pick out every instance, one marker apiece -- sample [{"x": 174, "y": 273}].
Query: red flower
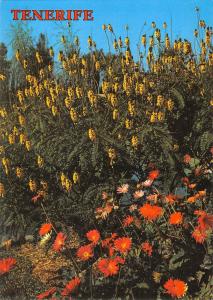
[
  {"x": 93, "y": 236},
  {"x": 45, "y": 228},
  {"x": 85, "y": 252},
  {"x": 6, "y": 264},
  {"x": 175, "y": 288},
  {"x": 199, "y": 235},
  {"x": 147, "y": 248},
  {"x": 123, "y": 244},
  {"x": 176, "y": 218},
  {"x": 185, "y": 180},
  {"x": 108, "y": 267},
  {"x": 186, "y": 158},
  {"x": 153, "y": 174},
  {"x": 150, "y": 212},
  {"x": 59, "y": 241},
  {"x": 71, "y": 286},
  {"x": 46, "y": 293},
  {"x": 128, "y": 221}
]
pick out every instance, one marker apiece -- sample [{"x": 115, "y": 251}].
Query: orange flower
[
  {"x": 186, "y": 158},
  {"x": 153, "y": 197},
  {"x": 202, "y": 193},
  {"x": 6, "y": 264},
  {"x": 171, "y": 198},
  {"x": 108, "y": 267},
  {"x": 150, "y": 212},
  {"x": 123, "y": 189},
  {"x": 153, "y": 174},
  {"x": 71, "y": 286},
  {"x": 147, "y": 182},
  {"x": 199, "y": 235},
  {"x": 192, "y": 185},
  {"x": 128, "y": 221},
  {"x": 176, "y": 218},
  {"x": 93, "y": 236},
  {"x": 147, "y": 248},
  {"x": 59, "y": 241},
  {"x": 85, "y": 252},
  {"x": 205, "y": 220},
  {"x": 46, "y": 294},
  {"x": 123, "y": 244},
  {"x": 176, "y": 288},
  {"x": 192, "y": 199},
  {"x": 45, "y": 228}
]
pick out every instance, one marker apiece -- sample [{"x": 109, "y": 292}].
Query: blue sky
[{"x": 116, "y": 12}]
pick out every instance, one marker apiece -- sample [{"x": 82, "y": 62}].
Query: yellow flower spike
[
  {"x": 157, "y": 34},
  {"x": 51, "y": 52},
  {"x": 68, "y": 184},
  {"x": 89, "y": 41},
  {"x": 22, "y": 138},
  {"x": 113, "y": 100},
  {"x": 112, "y": 155},
  {"x": 128, "y": 123},
  {"x": 28, "y": 145},
  {"x": 18, "y": 56},
  {"x": 153, "y": 117},
  {"x": 2, "y": 77},
  {"x": 73, "y": 115},
  {"x": 134, "y": 141},
  {"x": 164, "y": 25},
  {"x": 2, "y": 190},
  {"x": 126, "y": 41},
  {"x": 143, "y": 40},
  {"x": 115, "y": 114},
  {"x": 60, "y": 56},
  {"x": 131, "y": 108},
  {"x": 97, "y": 66},
  {"x": 54, "y": 110},
  {"x": 11, "y": 138},
  {"x": 75, "y": 177},
  {"x": 62, "y": 178},
  {"x": 170, "y": 104},
  {"x": 19, "y": 172},
  {"x": 104, "y": 27},
  {"x": 92, "y": 134},
  {"x": 141, "y": 88},
  {"x": 48, "y": 102},
  {"x": 68, "y": 102},
  {"x": 160, "y": 100},
  {"x": 25, "y": 64},
  {"x": 21, "y": 120},
  {"x": 120, "y": 43},
  {"x": 40, "y": 161},
  {"x": 110, "y": 28},
  {"x": 115, "y": 44},
  {"x": 196, "y": 33},
  {"x": 167, "y": 42},
  {"x": 76, "y": 41},
  {"x": 161, "y": 116},
  {"x": 32, "y": 185},
  {"x": 84, "y": 111},
  {"x": 63, "y": 39},
  {"x": 79, "y": 92}
]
